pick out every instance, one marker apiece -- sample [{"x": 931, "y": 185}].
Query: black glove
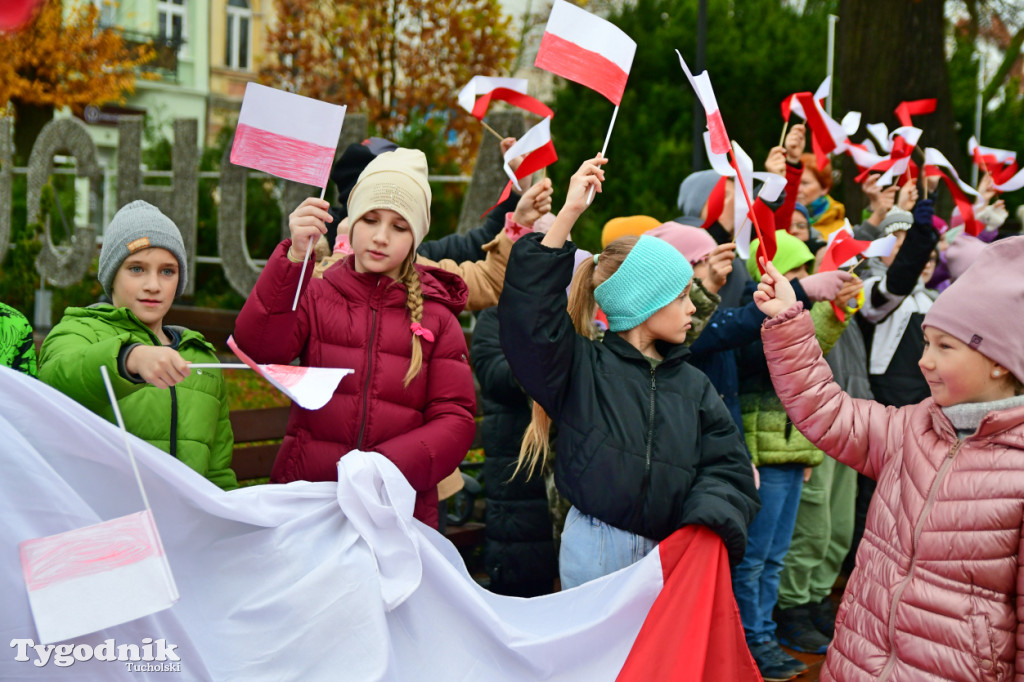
[{"x": 924, "y": 211}]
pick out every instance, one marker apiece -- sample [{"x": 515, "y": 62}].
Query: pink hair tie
[{"x": 419, "y": 330}]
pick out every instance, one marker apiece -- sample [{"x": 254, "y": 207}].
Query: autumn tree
[
  {"x": 63, "y": 59},
  {"x": 397, "y": 60}
]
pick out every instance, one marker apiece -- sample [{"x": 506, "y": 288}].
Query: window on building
[
  {"x": 108, "y": 13},
  {"x": 238, "y": 42},
  {"x": 171, "y": 24}
]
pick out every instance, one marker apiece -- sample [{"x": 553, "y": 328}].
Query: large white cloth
[{"x": 304, "y": 581}]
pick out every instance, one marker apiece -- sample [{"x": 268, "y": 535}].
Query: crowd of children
[{"x": 662, "y": 382}]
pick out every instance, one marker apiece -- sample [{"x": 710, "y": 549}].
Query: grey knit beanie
[
  {"x": 137, "y": 226},
  {"x": 695, "y": 191}
]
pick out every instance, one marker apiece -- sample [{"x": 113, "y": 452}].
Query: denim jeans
[
  {"x": 755, "y": 582},
  {"x": 591, "y": 549}
]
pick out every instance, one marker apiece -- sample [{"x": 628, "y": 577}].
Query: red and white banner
[
  {"x": 587, "y": 50},
  {"x": 287, "y": 135},
  {"x": 510, "y": 90},
  {"x": 301, "y": 581},
  {"x": 309, "y": 387}
]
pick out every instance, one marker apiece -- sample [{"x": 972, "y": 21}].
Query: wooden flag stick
[
  {"x": 782, "y": 138},
  {"x": 854, "y": 266},
  {"x": 491, "y": 130}
]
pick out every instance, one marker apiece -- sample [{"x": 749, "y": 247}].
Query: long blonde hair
[
  {"x": 414, "y": 302},
  {"x": 536, "y": 445}
]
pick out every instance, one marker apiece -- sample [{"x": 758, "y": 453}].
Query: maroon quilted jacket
[
  {"x": 936, "y": 594},
  {"x": 360, "y": 321}
]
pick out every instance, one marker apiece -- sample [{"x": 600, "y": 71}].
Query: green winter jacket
[
  {"x": 188, "y": 420},
  {"x": 771, "y": 436}
]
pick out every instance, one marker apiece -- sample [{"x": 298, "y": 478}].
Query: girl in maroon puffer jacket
[
  {"x": 411, "y": 397},
  {"x": 937, "y": 590}
]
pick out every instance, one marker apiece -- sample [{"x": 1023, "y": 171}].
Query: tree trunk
[
  {"x": 887, "y": 53},
  {"x": 29, "y": 119}
]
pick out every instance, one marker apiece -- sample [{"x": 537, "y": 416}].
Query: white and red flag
[
  {"x": 587, "y": 50},
  {"x": 539, "y": 151},
  {"x": 510, "y": 90},
  {"x": 287, "y": 135},
  {"x": 346, "y": 577},
  {"x": 310, "y": 387},
  {"x": 718, "y": 140}
]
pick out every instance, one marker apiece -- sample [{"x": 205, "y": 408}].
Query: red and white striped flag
[
  {"x": 587, "y": 50},
  {"x": 287, "y": 135}
]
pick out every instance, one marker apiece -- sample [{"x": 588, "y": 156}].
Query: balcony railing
[{"x": 165, "y": 63}]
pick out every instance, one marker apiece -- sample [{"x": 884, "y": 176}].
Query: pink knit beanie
[
  {"x": 984, "y": 307},
  {"x": 964, "y": 250},
  {"x": 693, "y": 242}
]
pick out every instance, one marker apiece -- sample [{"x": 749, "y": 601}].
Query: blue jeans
[
  {"x": 755, "y": 582},
  {"x": 591, "y": 549}
]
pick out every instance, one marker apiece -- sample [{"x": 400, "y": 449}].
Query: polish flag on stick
[
  {"x": 540, "y": 153},
  {"x": 701, "y": 83},
  {"x": 587, "y": 50},
  {"x": 590, "y": 51},
  {"x": 287, "y": 135},
  {"x": 290, "y": 136},
  {"x": 309, "y": 387},
  {"x": 91, "y": 578}
]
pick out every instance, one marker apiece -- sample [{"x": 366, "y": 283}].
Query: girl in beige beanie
[{"x": 394, "y": 322}]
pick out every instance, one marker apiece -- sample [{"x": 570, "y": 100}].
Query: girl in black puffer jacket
[{"x": 645, "y": 444}]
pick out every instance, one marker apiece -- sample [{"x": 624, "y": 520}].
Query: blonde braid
[{"x": 414, "y": 302}]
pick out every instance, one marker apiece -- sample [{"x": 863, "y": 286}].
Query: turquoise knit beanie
[
  {"x": 790, "y": 253},
  {"x": 653, "y": 275}
]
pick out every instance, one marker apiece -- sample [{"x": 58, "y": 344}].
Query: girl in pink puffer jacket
[{"x": 938, "y": 590}]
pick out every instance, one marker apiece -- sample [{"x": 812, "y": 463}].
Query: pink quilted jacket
[{"x": 934, "y": 595}]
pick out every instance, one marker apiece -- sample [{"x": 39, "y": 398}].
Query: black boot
[
  {"x": 797, "y": 631},
  {"x": 823, "y": 615}
]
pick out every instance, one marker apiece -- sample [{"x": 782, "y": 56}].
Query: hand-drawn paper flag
[
  {"x": 309, "y": 387},
  {"x": 287, "y": 135},
  {"x": 587, "y": 50},
  {"x": 92, "y": 578},
  {"x": 510, "y": 90}
]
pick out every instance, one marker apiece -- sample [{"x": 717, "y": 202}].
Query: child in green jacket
[{"x": 142, "y": 268}]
